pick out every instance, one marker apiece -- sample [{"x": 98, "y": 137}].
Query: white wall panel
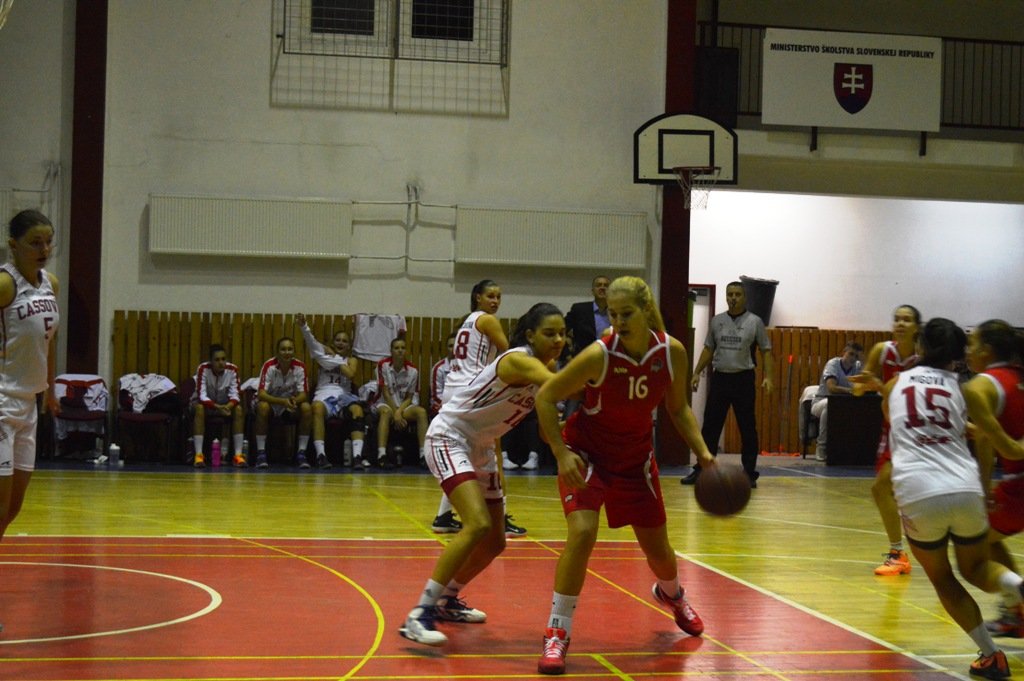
[
  {"x": 220, "y": 225},
  {"x": 551, "y": 238}
]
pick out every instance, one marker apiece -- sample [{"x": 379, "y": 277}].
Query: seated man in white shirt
[{"x": 835, "y": 380}]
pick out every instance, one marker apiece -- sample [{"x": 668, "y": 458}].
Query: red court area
[{"x": 202, "y": 608}]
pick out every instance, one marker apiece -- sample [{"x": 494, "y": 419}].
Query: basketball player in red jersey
[
  {"x": 886, "y": 360},
  {"x": 995, "y": 403},
  {"x": 605, "y": 454}
]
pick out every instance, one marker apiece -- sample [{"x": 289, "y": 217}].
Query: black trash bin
[{"x": 760, "y": 296}]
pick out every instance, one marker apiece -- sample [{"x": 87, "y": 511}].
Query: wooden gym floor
[{"x": 170, "y": 573}]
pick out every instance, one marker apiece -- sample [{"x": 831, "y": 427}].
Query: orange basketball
[{"x": 722, "y": 489}]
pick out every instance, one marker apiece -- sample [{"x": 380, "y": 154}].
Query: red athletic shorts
[
  {"x": 883, "y": 455},
  {"x": 1008, "y": 516},
  {"x": 630, "y": 498}
]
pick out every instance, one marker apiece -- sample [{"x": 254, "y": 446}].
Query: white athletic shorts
[
  {"x": 961, "y": 516},
  {"x": 335, "y": 404},
  {"x": 453, "y": 461},
  {"x": 18, "y": 417}
]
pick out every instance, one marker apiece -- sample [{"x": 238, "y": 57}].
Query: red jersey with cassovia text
[{"x": 613, "y": 428}]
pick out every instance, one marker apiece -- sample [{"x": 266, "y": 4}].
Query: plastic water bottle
[
  {"x": 215, "y": 453},
  {"x": 114, "y": 455},
  {"x": 225, "y": 451},
  {"x": 347, "y": 453}
]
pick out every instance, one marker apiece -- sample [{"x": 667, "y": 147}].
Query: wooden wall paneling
[
  {"x": 279, "y": 331},
  {"x": 196, "y": 353},
  {"x": 136, "y": 344},
  {"x": 174, "y": 359},
  {"x": 152, "y": 358},
  {"x": 414, "y": 349},
  {"x": 166, "y": 342},
  {"x": 808, "y": 358},
  {"x": 175, "y": 343},
  {"x": 155, "y": 351},
  {"x": 237, "y": 339},
  {"x": 119, "y": 341},
  {"x": 216, "y": 329},
  {"x": 257, "y": 353}
]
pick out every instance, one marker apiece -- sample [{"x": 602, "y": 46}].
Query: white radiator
[
  {"x": 216, "y": 225},
  {"x": 551, "y": 238}
]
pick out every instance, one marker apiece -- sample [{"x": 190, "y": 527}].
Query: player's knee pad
[{"x": 358, "y": 422}]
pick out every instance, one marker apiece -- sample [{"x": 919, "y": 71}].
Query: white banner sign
[{"x": 851, "y": 80}]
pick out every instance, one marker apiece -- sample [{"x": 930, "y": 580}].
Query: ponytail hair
[
  {"x": 24, "y": 221},
  {"x": 1006, "y": 342},
  {"x": 530, "y": 321},
  {"x": 942, "y": 343},
  {"x": 480, "y": 287},
  {"x": 640, "y": 293}
]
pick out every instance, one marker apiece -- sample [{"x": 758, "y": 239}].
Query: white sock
[
  {"x": 1010, "y": 583},
  {"x": 197, "y": 443},
  {"x": 261, "y": 443},
  {"x": 562, "y": 608},
  {"x": 452, "y": 589},
  {"x": 382, "y": 452},
  {"x": 357, "y": 449},
  {"x": 303, "y": 443},
  {"x": 896, "y": 546},
  {"x": 318, "y": 445},
  {"x": 671, "y": 588},
  {"x": 238, "y": 439},
  {"x": 983, "y": 639},
  {"x": 432, "y": 592},
  {"x": 445, "y": 506}
]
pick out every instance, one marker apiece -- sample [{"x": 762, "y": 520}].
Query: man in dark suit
[{"x": 588, "y": 319}]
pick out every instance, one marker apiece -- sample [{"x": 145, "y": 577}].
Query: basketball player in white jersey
[
  {"x": 28, "y": 300},
  {"x": 478, "y": 340},
  {"x": 460, "y": 453},
  {"x": 938, "y": 487}
]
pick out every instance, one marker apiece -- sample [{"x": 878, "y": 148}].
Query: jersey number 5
[{"x": 936, "y": 413}]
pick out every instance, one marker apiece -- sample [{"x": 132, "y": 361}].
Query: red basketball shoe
[
  {"x": 994, "y": 666},
  {"x": 1010, "y": 622},
  {"x": 686, "y": 617},
  {"x": 556, "y": 644}
]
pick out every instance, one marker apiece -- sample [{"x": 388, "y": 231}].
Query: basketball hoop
[
  {"x": 696, "y": 183},
  {"x": 5, "y": 9}
]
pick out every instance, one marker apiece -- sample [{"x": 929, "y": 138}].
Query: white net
[
  {"x": 441, "y": 56},
  {"x": 697, "y": 183},
  {"x": 5, "y": 9}
]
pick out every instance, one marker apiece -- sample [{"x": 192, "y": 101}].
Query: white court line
[
  {"x": 215, "y": 601},
  {"x": 795, "y": 471},
  {"x": 814, "y": 613}
]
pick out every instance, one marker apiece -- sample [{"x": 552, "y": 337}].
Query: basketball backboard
[{"x": 683, "y": 141}]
